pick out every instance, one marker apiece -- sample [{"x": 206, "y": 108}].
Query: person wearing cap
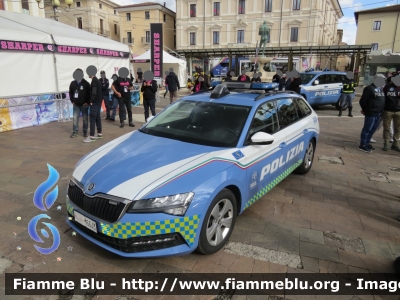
[
  {"x": 105, "y": 93},
  {"x": 372, "y": 103}
]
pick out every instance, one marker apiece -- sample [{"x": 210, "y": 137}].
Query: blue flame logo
[{"x": 44, "y": 203}]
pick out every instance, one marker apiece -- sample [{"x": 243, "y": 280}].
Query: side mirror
[
  {"x": 149, "y": 119},
  {"x": 316, "y": 82},
  {"x": 262, "y": 138}
]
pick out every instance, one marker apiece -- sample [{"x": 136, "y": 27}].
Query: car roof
[
  {"x": 238, "y": 97},
  {"x": 324, "y": 72}
]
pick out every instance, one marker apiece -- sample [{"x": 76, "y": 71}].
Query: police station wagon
[
  {"x": 178, "y": 183},
  {"x": 321, "y": 88}
]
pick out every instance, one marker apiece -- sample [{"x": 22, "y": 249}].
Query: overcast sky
[{"x": 347, "y": 23}]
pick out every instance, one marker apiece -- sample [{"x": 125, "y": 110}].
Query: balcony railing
[
  {"x": 128, "y": 41},
  {"x": 97, "y": 31},
  {"x": 145, "y": 41},
  {"x": 239, "y": 45}
]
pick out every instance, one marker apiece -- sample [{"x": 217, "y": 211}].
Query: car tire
[
  {"x": 307, "y": 160},
  {"x": 218, "y": 222}
]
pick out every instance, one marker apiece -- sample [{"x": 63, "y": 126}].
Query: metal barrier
[{"x": 63, "y": 105}]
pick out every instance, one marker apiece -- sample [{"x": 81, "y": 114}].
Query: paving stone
[
  {"x": 319, "y": 251},
  {"x": 378, "y": 249},
  {"x": 273, "y": 256},
  {"x": 310, "y": 263},
  {"x": 289, "y": 244},
  {"x": 347, "y": 243},
  {"x": 311, "y": 236},
  {"x": 395, "y": 249},
  {"x": 331, "y": 160}
]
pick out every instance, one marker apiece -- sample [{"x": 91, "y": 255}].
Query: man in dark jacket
[
  {"x": 295, "y": 83},
  {"x": 392, "y": 113},
  {"x": 122, "y": 87},
  {"x": 276, "y": 78},
  {"x": 372, "y": 103},
  {"x": 282, "y": 82},
  {"x": 79, "y": 94},
  {"x": 96, "y": 98},
  {"x": 105, "y": 93},
  {"x": 173, "y": 85},
  {"x": 149, "y": 90}
]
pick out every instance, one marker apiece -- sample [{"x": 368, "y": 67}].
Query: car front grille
[
  {"x": 97, "y": 206},
  {"x": 135, "y": 244}
]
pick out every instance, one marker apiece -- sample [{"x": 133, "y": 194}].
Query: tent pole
[{"x": 55, "y": 65}]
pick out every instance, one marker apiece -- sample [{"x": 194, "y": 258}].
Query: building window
[
  {"x": 242, "y": 7},
  {"x": 296, "y": 4},
  {"x": 216, "y": 8},
  {"x": 377, "y": 25},
  {"x": 128, "y": 16},
  {"x": 193, "y": 38},
  {"x": 78, "y": 4},
  {"x": 240, "y": 36},
  {"x": 129, "y": 37},
  {"x": 215, "y": 37},
  {"x": 268, "y": 5},
  {"x": 147, "y": 15},
  {"x": 115, "y": 29},
  {"x": 79, "y": 23},
  {"x": 374, "y": 46},
  {"x": 100, "y": 6},
  {"x": 193, "y": 10},
  {"x": 25, "y": 4},
  {"x": 165, "y": 18},
  {"x": 115, "y": 12},
  {"x": 147, "y": 36},
  {"x": 294, "y": 34},
  {"x": 101, "y": 26}
]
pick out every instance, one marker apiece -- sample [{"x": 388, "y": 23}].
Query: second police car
[
  {"x": 322, "y": 88},
  {"x": 178, "y": 183}
]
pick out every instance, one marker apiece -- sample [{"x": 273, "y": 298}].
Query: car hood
[{"x": 128, "y": 167}]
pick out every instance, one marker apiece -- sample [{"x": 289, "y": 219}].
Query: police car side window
[
  {"x": 322, "y": 79},
  {"x": 305, "y": 109},
  {"x": 287, "y": 112},
  {"x": 265, "y": 119}
]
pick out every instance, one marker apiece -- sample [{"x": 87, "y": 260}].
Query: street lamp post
[{"x": 55, "y": 4}]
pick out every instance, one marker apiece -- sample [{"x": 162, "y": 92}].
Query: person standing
[
  {"x": 282, "y": 82},
  {"x": 348, "y": 93},
  {"x": 173, "y": 85},
  {"x": 105, "y": 93},
  {"x": 276, "y": 78},
  {"x": 372, "y": 103},
  {"x": 165, "y": 82},
  {"x": 113, "y": 104},
  {"x": 122, "y": 87},
  {"x": 79, "y": 94},
  {"x": 149, "y": 90},
  {"x": 199, "y": 85},
  {"x": 295, "y": 83},
  {"x": 96, "y": 99},
  {"x": 244, "y": 77},
  {"x": 392, "y": 113}
]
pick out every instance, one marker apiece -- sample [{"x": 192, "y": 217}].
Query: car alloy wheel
[
  {"x": 308, "y": 159},
  {"x": 218, "y": 222}
]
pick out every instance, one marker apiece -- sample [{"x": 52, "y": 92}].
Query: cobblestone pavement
[{"x": 341, "y": 217}]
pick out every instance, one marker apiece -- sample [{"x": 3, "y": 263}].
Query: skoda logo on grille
[{"x": 90, "y": 187}]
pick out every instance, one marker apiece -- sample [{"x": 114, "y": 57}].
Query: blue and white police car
[
  {"x": 178, "y": 183},
  {"x": 322, "y": 88}
]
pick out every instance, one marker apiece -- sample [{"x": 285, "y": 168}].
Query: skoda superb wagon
[{"x": 178, "y": 184}]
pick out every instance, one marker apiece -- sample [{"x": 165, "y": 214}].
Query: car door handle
[
  {"x": 282, "y": 145},
  {"x": 326, "y": 85}
]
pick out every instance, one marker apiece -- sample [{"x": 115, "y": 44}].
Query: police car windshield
[
  {"x": 306, "y": 78},
  {"x": 203, "y": 123}
]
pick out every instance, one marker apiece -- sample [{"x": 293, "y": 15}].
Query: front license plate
[{"x": 88, "y": 223}]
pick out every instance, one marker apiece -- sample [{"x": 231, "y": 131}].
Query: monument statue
[{"x": 264, "y": 31}]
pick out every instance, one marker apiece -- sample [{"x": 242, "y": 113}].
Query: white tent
[
  {"x": 169, "y": 61},
  {"x": 50, "y": 69}
]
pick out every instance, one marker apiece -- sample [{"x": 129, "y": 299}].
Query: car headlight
[{"x": 173, "y": 205}]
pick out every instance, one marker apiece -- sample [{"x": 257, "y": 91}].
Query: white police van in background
[{"x": 322, "y": 88}]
